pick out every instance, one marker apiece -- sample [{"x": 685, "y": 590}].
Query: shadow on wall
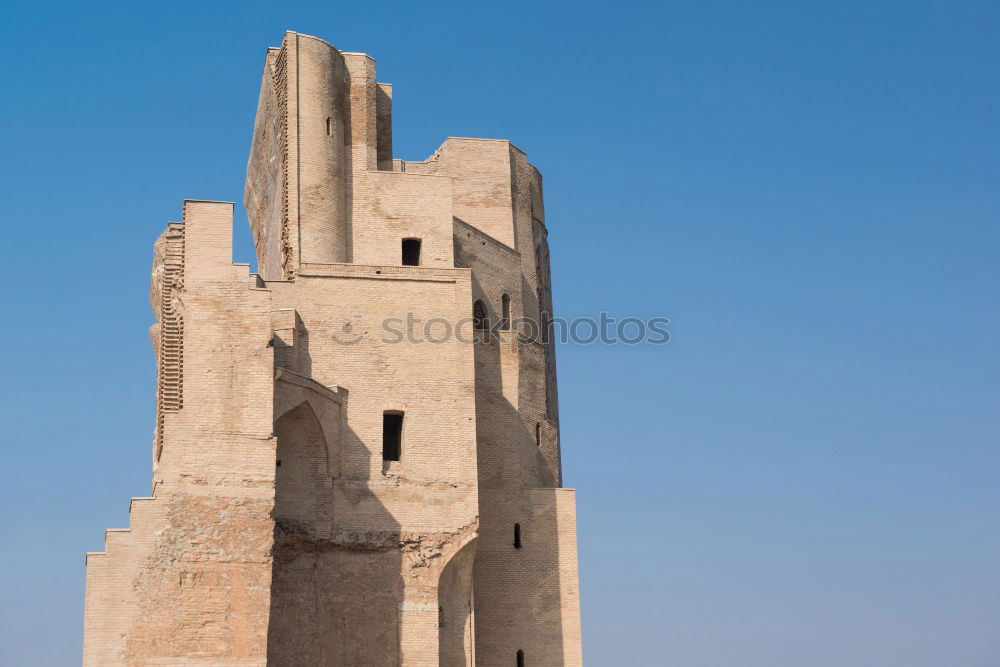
[
  {"x": 347, "y": 586},
  {"x": 517, "y": 588},
  {"x": 334, "y": 593}
]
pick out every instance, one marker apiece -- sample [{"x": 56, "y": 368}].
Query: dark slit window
[
  {"x": 411, "y": 252},
  {"x": 392, "y": 435},
  {"x": 479, "y": 319},
  {"x": 505, "y": 307},
  {"x": 538, "y": 434},
  {"x": 329, "y": 126},
  {"x": 517, "y": 536},
  {"x": 520, "y": 658}
]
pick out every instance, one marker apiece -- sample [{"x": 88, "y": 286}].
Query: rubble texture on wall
[{"x": 278, "y": 532}]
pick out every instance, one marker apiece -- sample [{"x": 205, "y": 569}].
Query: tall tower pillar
[
  {"x": 298, "y": 177},
  {"x": 322, "y": 119}
]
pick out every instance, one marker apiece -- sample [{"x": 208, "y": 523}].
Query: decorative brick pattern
[{"x": 168, "y": 333}]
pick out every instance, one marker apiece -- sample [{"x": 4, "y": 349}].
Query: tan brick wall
[
  {"x": 482, "y": 183},
  {"x": 266, "y": 194},
  {"x": 277, "y": 533},
  {"x": 188, "y": 581},
  {"x": 392, "y": 206}
]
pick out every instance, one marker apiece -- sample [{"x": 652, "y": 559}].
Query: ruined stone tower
[{"x": 356, "y": 457}]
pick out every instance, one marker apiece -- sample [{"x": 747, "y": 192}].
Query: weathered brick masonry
[{"x": 283, "y": 528}]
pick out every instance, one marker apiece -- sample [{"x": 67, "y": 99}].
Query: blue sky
[{"x": 806, "y": 475}]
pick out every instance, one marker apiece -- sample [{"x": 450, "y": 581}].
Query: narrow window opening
[
  {"x": 479, "y": 318},
  {"x": 520, "y": 658},
  {"x": 329, "y": 126},
  {"x": 505, "y": 308},
  {"x": 411, "y": 252},
  {"x": 517, "y": 536},
  {"x": 440, "y": 617},
  {"x": 392, "y": 436},
  {"x": 538, "y": 434}
]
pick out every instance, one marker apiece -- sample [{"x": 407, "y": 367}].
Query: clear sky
[{"x": 806, "y": 475}]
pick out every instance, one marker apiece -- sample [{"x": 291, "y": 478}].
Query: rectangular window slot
[
  {"x": 411, "y": 252},
  {"x": 392, "y": 436}
]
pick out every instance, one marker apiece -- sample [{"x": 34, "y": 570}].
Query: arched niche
[
  {"x": 456, "y": 609},
  {"x": 301, "y": 467}
]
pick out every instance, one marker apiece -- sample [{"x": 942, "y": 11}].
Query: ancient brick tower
[{"x": 356, "y": 459}]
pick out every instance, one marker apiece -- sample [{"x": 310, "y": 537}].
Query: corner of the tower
[{"x": 383, "y": 112}]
